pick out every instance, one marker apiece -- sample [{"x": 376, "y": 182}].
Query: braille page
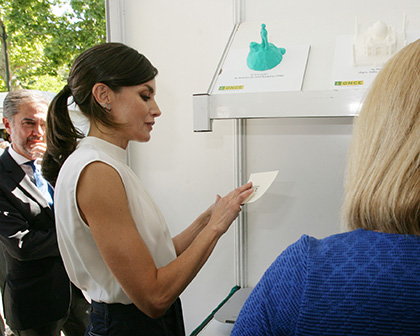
[{"x": 260, "y": 183}]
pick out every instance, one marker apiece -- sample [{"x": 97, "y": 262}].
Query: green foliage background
[{"x": 43, "y": 38}]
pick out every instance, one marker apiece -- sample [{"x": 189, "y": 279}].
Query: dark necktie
[{"x": 41, "y": 183}]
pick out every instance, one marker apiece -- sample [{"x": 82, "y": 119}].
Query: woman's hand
[
  {"x": 183, "y": 240},
  {"x": 227, "y": 208}
]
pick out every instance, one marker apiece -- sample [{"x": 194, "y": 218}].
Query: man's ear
[
  {"x": 102, "y": 93},
  {"x": 7, "y": 125}
]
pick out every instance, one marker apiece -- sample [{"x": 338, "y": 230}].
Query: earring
[{"x": 106, "y": 106}]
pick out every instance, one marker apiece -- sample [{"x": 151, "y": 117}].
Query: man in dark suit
[{"x": 38, "y": 298}]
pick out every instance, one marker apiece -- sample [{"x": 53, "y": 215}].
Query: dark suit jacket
[{"x": 37, "y": 289}]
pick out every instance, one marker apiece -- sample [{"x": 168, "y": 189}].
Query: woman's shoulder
[
  {"x": 88, "y": 150},
  {"x": 85, "y": 154},
  {"x": 308, "y": 246},
  {"x": 365, "y": 239}
]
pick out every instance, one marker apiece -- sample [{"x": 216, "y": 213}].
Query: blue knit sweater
[{"x": 355, "y": 283}]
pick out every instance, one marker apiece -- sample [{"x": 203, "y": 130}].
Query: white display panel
[
  {"x": 237, "y": 77},
  {"x": 346, "y": 74}
]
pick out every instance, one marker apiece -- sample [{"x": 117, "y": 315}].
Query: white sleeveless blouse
[{"x": 81, "y": 258}]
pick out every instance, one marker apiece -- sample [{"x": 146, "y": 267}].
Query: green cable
[{"x": 210, "y": 317}]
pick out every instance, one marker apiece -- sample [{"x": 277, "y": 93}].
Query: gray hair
[{"x": 15, "y": 98}]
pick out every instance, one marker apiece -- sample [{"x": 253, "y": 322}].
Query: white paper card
[{"x": 260, "y": 183}]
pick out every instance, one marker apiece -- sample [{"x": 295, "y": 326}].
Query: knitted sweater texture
[{"x": 355, "y": 283}]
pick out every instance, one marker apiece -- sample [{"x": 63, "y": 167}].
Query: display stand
[{"x": 208, "y": 107}]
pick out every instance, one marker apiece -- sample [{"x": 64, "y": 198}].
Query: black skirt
[{"x": 117, "y": 319}]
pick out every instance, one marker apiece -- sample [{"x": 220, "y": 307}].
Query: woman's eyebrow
[{"x": 150, "y": 88}]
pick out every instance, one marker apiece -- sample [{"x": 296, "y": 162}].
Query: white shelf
[{"x": 293, "y": 104}]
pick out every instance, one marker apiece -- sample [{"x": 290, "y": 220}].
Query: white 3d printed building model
[{"x": 377, "y": 44}]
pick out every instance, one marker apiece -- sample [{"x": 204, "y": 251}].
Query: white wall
[{"x": 184, "y": 170}]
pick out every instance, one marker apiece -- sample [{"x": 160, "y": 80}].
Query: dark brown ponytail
[{"x": 61, "y": 135}]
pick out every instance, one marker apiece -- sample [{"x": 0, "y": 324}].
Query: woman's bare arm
[{"x": 103, "y": 203}]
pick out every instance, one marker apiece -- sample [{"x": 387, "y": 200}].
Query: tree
[{"x": 44, "y": 36}]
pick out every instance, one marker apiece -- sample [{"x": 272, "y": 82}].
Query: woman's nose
[{"x": 155, "y": 110}]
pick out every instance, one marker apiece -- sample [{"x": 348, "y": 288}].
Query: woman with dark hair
[{"x": 113, "y": 239}]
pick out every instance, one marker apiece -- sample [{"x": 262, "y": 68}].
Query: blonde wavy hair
[{"x": 382, "y": 189}]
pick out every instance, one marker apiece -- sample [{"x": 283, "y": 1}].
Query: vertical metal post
[
  {"x": 114, "y": 14},
  {"x": 241, "y": 237}
]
